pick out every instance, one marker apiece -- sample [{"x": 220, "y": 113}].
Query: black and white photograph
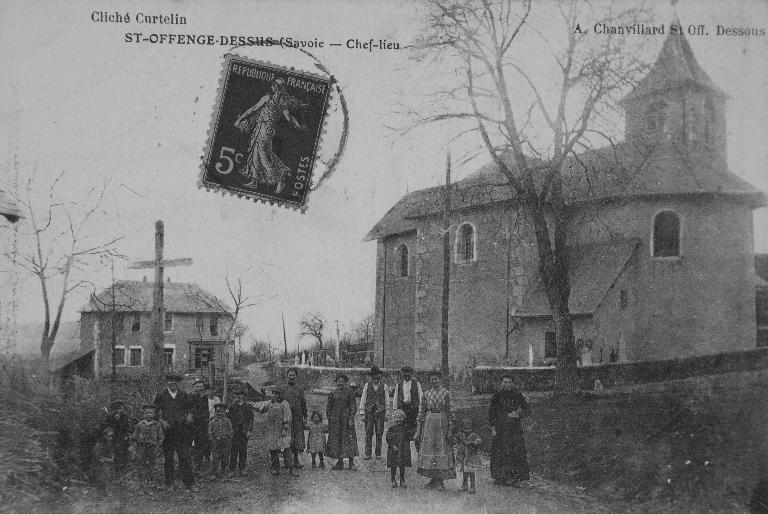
[{"x": 423, "y": 256}]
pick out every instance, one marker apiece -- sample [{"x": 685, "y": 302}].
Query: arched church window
[
  {"x": 666, "y": 234},
  {"x": 656, "y": 119},
  {"x": 401, "y": 261},
  {"x": 466, "y": 243}
]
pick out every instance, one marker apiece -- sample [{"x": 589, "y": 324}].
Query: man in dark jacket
[
  {"x": 175, "y": 413},
  {"x": 241, "y": 415},
  {"x": 200, "y": 419}
]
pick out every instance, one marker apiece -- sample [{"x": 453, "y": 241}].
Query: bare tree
[
  {"x": 364, "y": 331},
  {"x": 312, "y": 325},
  {"x": 59, "y": 249},
  {"x": 534, "y": 135}
]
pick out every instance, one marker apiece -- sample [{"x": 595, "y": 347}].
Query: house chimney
[{"x": 144, "y": 279}]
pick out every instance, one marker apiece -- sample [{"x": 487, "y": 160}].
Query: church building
[{"x": 660, "y": 246}]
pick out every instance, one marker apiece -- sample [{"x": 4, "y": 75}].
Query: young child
[
  {"x": 398, "y": 448},
  {"x": 316, "y": 438},
  {"x": 102, "y": 462},
  {"x": 220, "y": 436},
  {"x": 467, "y": 455},
  {"x": 149, "y": 436},
  {"x": 278, "y": 431}
]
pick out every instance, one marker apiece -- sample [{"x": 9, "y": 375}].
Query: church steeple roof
[{"x": 675, "y": 67}]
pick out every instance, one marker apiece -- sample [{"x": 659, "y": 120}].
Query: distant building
[
  {"x": 194, "y": 336},
  {"x": 660, "y": 243}
]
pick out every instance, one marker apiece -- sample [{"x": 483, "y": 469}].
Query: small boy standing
[
  {"x": 149, "y": 436},
  {"x": 220, "y": 436},
  {"x": 467, "y": 455},
  {"x": 316, "y": 438},
  {"x": 241, "y": 415},
  {"x": 398, "y": 448}
]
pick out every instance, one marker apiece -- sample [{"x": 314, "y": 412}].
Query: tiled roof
[
  {"x": 136, "y": 296},
  {"x": 593, "y": 269},
  {"x": 675, "y": 66},
  {"x": 617, "y": 172},
  {"x": 8, "y": 207}
]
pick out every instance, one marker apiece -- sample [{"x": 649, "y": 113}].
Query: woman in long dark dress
[
  {"x": 509, "y": 461},
  {"x": 434, "y": 432},
  {"x": 340, "y": 413}
]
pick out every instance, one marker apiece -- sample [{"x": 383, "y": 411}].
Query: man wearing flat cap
[
  {"x": 373, "y": 408},
  {"x": 174, "y": 408},
  {"x": 406, "y": 397}
]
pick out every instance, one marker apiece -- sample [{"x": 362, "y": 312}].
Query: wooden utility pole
[
  {"x": 158, "y": 311},
  {"x": 285, "y": 339},
  {"x": 446, "y": 270}
]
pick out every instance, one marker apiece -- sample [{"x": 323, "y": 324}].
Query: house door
[{"x": 203, "y": 357}]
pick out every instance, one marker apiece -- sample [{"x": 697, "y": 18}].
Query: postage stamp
[{"x": 265, "y": 133}]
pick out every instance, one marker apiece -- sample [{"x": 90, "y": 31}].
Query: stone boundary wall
[
  {"x": 485, "y": 379},
  {"x": 315, "y": 377}
]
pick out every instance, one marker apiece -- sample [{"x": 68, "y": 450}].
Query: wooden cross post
[{"x": 158, "y": 311}]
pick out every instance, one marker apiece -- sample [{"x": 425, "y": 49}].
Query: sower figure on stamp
[
  {"x": 373, "y": 408},
  {"x": 241, "y": 415},
  {"x": 406, "y": 397},
  {"x": 340, "y": 413},
  {"x": 263, "y": 166},
  {"x": 174, "y": 407},
  {"x": 278, "y": 431},
  {"x": 200, "y": 417},
  {"x": 509, "y": 462},
  {"x": 294, "y": 395}
]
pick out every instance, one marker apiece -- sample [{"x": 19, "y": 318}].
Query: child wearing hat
[
  {"x": 118, "y": 421},
  {"x": 220, "y": 436},
  {"x": 149, "y": 436},
  {"x": 398, "y": 447}
]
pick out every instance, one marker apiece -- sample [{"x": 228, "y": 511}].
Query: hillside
[{"x": 28, "y": 339}]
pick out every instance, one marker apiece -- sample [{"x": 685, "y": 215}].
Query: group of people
[
  {"x": 198, "y": 427},
  {"x": 444, "y": 445}
]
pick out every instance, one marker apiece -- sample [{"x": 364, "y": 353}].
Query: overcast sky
[{"x": 75, "y": 97}]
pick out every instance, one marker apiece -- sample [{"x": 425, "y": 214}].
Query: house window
[
  {"x": 135, "y": 356},
  {"x": 119, "y": 353},
  {"x": 214, "y": 325},
  {"x": 550, "y": 345},
  {"x": 623, "y": 299},
  {"x": 466, "y": 243},
  {"x": 200, "y": 324},
  {"x": 136, "y": 323},
  {"x": 666, "y": 234},
  {"x": 168, "y": 325},
  {"x": 203, "y": 355},
  {"x": 168, "y": 357},
  {"x": 401, "y": 261},
  {"x": 762, "y": 336}
]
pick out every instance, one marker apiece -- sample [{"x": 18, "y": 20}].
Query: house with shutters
[
  {"x": 195, "y": 327},
  {"x": 659, "y": 244}
]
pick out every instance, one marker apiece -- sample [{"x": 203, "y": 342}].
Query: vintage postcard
[{"x": 384, "y": 256}]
